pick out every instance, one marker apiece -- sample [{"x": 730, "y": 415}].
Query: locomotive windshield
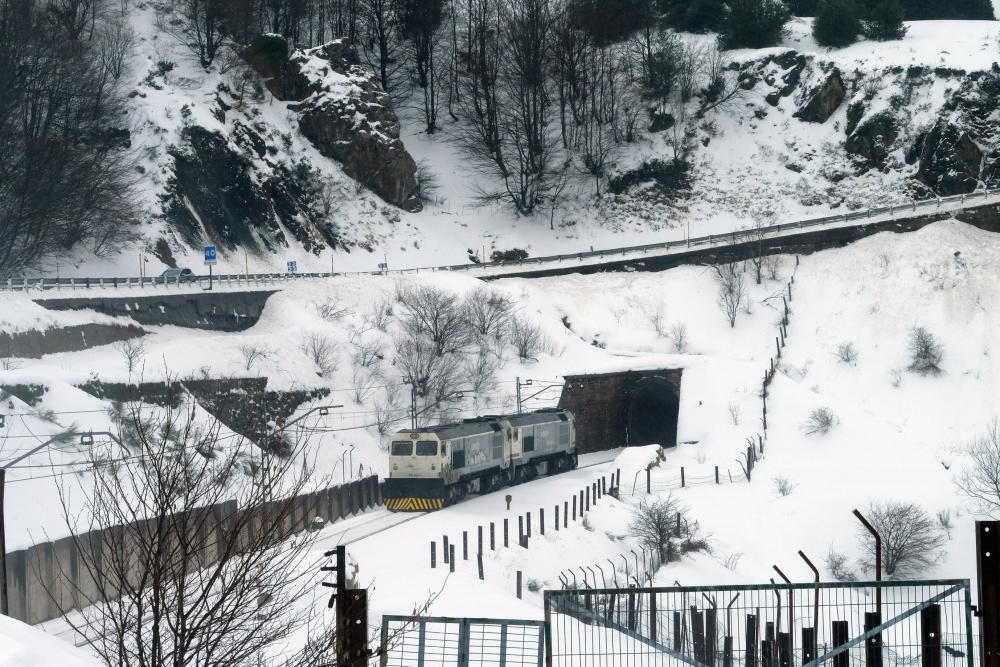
[
  {"x": 427, "y": 448},
  {"x": 402, "y": 448}
]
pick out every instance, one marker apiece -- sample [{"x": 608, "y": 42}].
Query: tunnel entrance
[
  {"x": 652, "y": 414},
  {"x": 626, "y": 408}
]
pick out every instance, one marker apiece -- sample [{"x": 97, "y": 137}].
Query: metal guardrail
[{"x": 498, "y": 269}]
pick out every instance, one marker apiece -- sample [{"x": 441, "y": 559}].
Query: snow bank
[{"x": 23, "y": 646}]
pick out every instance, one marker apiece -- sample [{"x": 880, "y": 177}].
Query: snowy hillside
[
  {"x": 897, "y": 435},
  {"x": 752, "y": 161}
]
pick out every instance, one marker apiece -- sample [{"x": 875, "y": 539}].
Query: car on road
[{"x": 177, "y": 276}]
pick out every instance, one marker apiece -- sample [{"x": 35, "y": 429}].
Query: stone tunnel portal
[{"x": 621, "y": 409}]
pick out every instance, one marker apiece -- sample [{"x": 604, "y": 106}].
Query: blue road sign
[
  {"x": 293, "y": 267},
  {"x": 211, "y": 256}
]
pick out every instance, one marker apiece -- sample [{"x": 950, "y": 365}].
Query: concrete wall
[
  {"x": 50, "y": 579},
  {"x": 984, "y": 217},
  {"x": 600, "y": 403},
  {"x": 216, "y": 311},
  {"x": 34, "y": 344}
]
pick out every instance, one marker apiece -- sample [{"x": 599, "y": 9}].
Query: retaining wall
[{"x": 48, "y": 580}]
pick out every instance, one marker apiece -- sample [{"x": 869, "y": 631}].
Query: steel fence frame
[
  {"x": 839, "y": 622},
  {"x": 442, "y": 641}
]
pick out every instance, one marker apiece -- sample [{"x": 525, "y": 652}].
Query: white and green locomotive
[{"x": 434, "y": 466}]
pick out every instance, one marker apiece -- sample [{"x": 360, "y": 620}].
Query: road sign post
[
  {"x": 293, "y": 266},
  {"x": 211, "y": 257}
]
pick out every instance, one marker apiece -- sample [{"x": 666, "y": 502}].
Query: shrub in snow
[
  {"x": 847, "y": 353},
  {"x": 980, "y": 481},
  {"x": 252, "y": 354},
  {"x": 321, "y": 351},
  {"x": 380, "y": 315},
  {"x": 821, "y": 420},
  {"x": 944, "y": 521},
  {"x": 911, "y": 542},
  {"x": 480, "y": 370},
  {"x": 838, "y": 566},
  {"x": 783, "y": 486},
  {"x": 332, "y": 310},
  {"x": 734, "y": 413},
  {"x": 837, "y": 22},
  {"x": 883, "y": 20},
  {"x": 925, "y": 352},
  {"x": 527, "y": 338},
  {"x": 753, "y": 24},
  {"x": 654, "y": 524},
  {"x": 534, "y": 585},
  {"x": 895, "y": 378},
  {"x": 679, "y": 338}
]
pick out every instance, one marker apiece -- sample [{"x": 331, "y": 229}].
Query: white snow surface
[
  {"x": 890, "y": 442},
  {"x": 751, "y": 161},
  {"x": 24, "y": 646}
]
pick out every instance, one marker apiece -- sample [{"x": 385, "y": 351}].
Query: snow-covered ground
[
  {"x": 897, "y": 436},
  {"x": 23, "y": 646},
  {"x": 751, "y": 161}
]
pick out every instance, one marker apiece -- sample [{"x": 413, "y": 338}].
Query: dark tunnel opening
[{"x": 652, "y": 414}]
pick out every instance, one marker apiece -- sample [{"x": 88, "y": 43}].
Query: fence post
[
  {"x": 527, "y": 530},
  {"x": 446, "y": 553},
  {"x": 541, "y": 521},
  {"x": 493, "y": 537},
  {"x": 649, "y": 483},
  {"x": 518, "y": 584},
  {"x": 557, "y": 517},
  {"x": 716, "y": 474},
  {"x": 586, "y": 499},
  {"x": 479, "y": 557},
  {"x": 451, "y": 557},
  {"x": 433, "y": 554},
  {"x": 841, "y": 635},
  {"x": 520, "y": 528},
  {"x": 682, "y": 477},
  {"x": 574, "y": 507},
  {"x": 987, "y": 548},
  {"x": 873, "y": 647},
  {"x": 930, "y": 636},
  {"x": 480, "y": 531},
  {"x": 566, "y": 513},
  {"x": 751, "y": 641},
  {"x": 465, "y": 545},
  {"x": 506, "y": 534}
]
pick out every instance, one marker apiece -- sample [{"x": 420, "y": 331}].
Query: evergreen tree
[
  {"x": 884, "y": 21},
  {"x": 803, "y": 7},
  {"x": 753, "y": 24},
  {"x": 611, "y": 21},
  {"x": 836, "y": 23},
  {"x": 702, "y": 16}
]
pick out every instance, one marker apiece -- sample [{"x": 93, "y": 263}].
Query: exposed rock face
[
  {"x": 872, "y": 140},
  {"x": 343, "y": 112},
  {"x": 225, "y": 189},
  {"x": 959, "y": 153},
  {"x": 780, "y": 72},
  {"x": 824, "y": 99},
  {"x": 950, "y": 161}
]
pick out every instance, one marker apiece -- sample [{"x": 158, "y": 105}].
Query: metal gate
[
  {"x": 437, "y": 641},
  {"x": 856, "y": 624}
]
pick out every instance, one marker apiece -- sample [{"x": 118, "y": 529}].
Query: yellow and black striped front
[{"x": 414, "y": 504}]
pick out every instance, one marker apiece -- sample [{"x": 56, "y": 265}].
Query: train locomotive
[{"x": 435, "y": 466}]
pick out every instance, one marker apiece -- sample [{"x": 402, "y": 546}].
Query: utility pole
[
  {"x": 518, "y": 380},
  {"x": 413, "y": 407},
  {"x": 4, "y": 609}
]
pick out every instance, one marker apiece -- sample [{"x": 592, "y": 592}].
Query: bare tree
[
  {"x": 679, "y": 337},
  {"x": 252, "y": 354},
  {"x": 133, "y": 352},
  {"x": 655, "y": 524},
  {"x": 437, "y": 315},
  {"x": 723, "y": 89},
  {"x": 527, "y": 337},
  {"x": 847, "y": 353},
  {"x": 773, "y": 264},
  {"x": 980, "y": 480},
  {"x": 925, "y": 352},
  {"x": 757, "y": 235},
  {"x": 321, "y": 351},
  {"x": 116, "y": 40},
  {"x": 385, "y": 409},
  {"x": 367, "y": 350},
  {"x": 363, "y": 384},
  {"x": 195, "y": 563},
  {"x": 202, "y": 31},
  {"x": 381, "y": 314},
  {"x": 910, "y": 541},
  {"x": 384, "y": 49},
  {"x": 506, "y": 100},
  {"x": 480, "y": 370},
  {"x": 488, "y": 312},
  {"x": 734, "y": 412},
  {"x": 732, "y": 289},
  {"x": 690, "y": 64},
  {"x": 430, "y": 374}
]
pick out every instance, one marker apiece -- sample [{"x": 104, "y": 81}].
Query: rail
[{"x": 512, "y": 268}]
